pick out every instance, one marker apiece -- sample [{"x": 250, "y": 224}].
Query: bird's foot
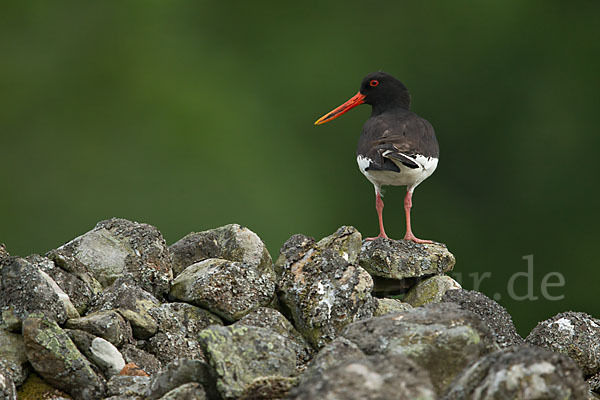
[
  {"x": 413, "y": 238},
  {"x": 381, "y": 235}
]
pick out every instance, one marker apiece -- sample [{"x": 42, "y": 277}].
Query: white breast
[{"x": 410, "y": 177}]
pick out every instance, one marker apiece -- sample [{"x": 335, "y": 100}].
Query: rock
[
  {"x": 74, "y": 278},
  {"x": 238, "y": 355},
  {"x": 43, "y": 295},
  {"x": 230, "y": 242},
  {"x": 180, "y": 372},
  {"x": 575, "y": 334},
  {"x": 100, "y": 351},
  {"x": 268, "y": 388},
  {"x": 118, "y": 248},
  {"x": 56, "y": 358},
  {"x": 178, "y": 327},
  {"x": 230, "y": 289},
  {"x": 188, "y": 391},
  {"x": 133, "y": 303},
  {"x": 275, "y": 321},
  {"x": 13, "y": 360},
  {"x": 322, "y": 287},
  {"x": 520, "y": 373},
  {"x": 125, "y": 385},
  {"x": 109, "y": 325},
  {"x": 493, "y": 314},
  {"x": 338, "y": 352},
  {"x": 427, "y": 335},
  {"x": 402, "y": 259},
  {"x": 131, "y": 369},
  {"x": 387, "y": 377},
  {"x": 594, "y": 383},
  {"x": 388, "y": 306},
  {"x": 8, "y": 390},
  {"x": 3, "y": 253},
  {"x": 430, "y": 290},
  {"x": 146, "y": 361}
]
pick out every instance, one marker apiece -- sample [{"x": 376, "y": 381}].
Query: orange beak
[{"x": 358, "y": 99}]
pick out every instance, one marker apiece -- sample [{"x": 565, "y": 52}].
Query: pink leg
[
  {"x": 407, "y": 206},
  {"x": 379, "y": 208}
]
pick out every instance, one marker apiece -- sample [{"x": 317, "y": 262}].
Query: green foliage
[{"x": 191, "y": 115}]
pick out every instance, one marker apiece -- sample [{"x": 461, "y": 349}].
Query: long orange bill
[{"x": 358, "y": 99}]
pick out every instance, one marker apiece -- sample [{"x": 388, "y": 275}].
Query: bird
[{"x": 396, "y": 147}]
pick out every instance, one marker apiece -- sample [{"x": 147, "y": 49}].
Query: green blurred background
[{"x": 189, "y": 115}]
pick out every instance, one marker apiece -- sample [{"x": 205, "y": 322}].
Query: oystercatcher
[{"x": 396, "y": 146}]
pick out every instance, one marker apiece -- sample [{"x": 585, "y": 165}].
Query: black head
[{"x": 383, "y": 91}]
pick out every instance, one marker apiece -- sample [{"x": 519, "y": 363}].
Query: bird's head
[{"x": 379, "y": 89}]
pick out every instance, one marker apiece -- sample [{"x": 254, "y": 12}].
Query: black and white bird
[{"x": 396, "y": 147}]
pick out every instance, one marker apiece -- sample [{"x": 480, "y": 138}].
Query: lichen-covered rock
[
  {"x": 493, "y": 314},
  {"x": 178, "y": 327},
  {"x": 125, "y": 385},
  {"x": 180, "y": 372},
  {"x": 133, "y": 303},
  {"x": 42, "y": 295},
  {"x": 238, "y": 355},
  {"x": 3, "y": 253},
  {"x": 337, "y": 352},
  {"x": 575, "y": 334},
  {"x": 118, "y": 248},
  {"x": 388, "y": 306},
  {"x": 321, "y": 285},
  {"x": 390, "y": 377},
  {"x": 13, "y": 360},
  {"x": 427, "y": 335},
  {"x": 594, "y": 383},
  {"x": 520, "y": 373},
  {"x": 430, "y": 290},
  {"x": 188, "y": 391},
  {"x": 230, "y": 242},
  {"x": 99, "y": 351},
  {"x": 401, "y": 259},
  {"x": 268, "y": 388},
  {"x": 56, "y": 358},
  {"x": 230, "y": 289},
  {"x": 36, "y": 388},
  {"x": 275, "y": 321},
  {"x": 146, "y": 361},
  {"x": 74, "y": 279},
  {"x": 8, "y": 390},
  {"x": 109, "y": 325}
]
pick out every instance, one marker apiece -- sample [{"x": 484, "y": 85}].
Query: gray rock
[
  {"x": 575, "y": 334},
  {"x": 427, "y": 335},
  {"x": 118, "y": 248},
  {"x": 230, "y": 242},
  {"x": 338, "y": 352},
  {"x": 100, "y": 351},
  {"x": 230, "y": 289},
  {"x": 430, "y": 290},
  {"x": 133, "y": 303},
  {"x": 109, "y": 325},
  {"x": 3, "y": 253},
  {"x": 238, "y": 355},
  {"x": 188, "y": 391},
  {"x": 520, "y": 373},
  {"x": 374, "y": 377},
  {"x": 144, "y": 360},
  {"x": 594, "y": 383},
  {"x": 493, "y": 314},
  {"x": 268, "y": 388},
  {"x": 74, "y": 278},
  {"x": 275, "y": 321},
  {"x": 7, "y": 386},
  {"x": 13, "y": 360},
  {"x": 180, "y": 372},
  {"x": 388, "y": 306},
  {"x": 43, "y": 295},
  {"x": 322, "y": 287},
  {"x": 178, "y": 327},
  {"x": 402, "y": 259},
  {"x": 124, "y": 385},
  {"x": 56, "y": 358}
]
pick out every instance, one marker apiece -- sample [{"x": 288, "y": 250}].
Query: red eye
[{"x": 374, "y": 82}]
